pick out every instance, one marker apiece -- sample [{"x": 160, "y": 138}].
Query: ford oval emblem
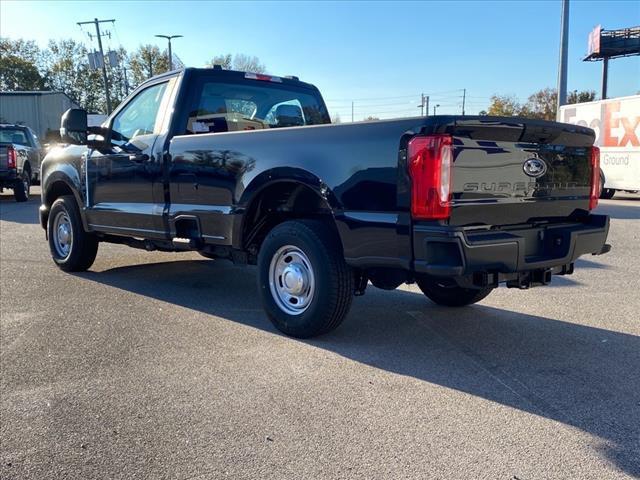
[{"x": 534, "y": 167}]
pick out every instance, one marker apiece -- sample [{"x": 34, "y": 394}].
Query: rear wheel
[
  {"x": 305, "y": 284},
  {"x": 22, "y": 187},
  {"x": 446, "y": 292},
  {"x": 606, "y": 193},
  {"x": 72, "y": 249}
]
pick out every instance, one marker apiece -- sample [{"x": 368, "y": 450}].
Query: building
[{"x": 39, "y": 110}]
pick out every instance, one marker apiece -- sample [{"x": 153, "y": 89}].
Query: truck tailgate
[{"x": 513, "y": 171}]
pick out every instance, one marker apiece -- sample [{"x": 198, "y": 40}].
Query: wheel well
[
  {"x": 278, "y": 203},
  {"x": 57, "y": 189}
]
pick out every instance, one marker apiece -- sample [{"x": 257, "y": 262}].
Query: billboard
[
  {"x": 617, "y": 126},
  {"x": 594, "y": 41}
]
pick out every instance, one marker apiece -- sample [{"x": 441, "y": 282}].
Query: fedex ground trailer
[{"x": 616, "y": 122}]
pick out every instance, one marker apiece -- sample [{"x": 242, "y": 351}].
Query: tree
[
  {"x": 225, "y": 61},
  {"x": 19, "y": 62},
  {"x": 541, "y": 105},
  {"x": 581, "y": 97},
  {"x": 370, "y": 118},
  {"x": 336, "y": 118},
  {"x": 241, "y": 62},
  {"x": 504, "y": 106},
  {"x": 118, "y": 79},
  {"x": 146, "y": 62},
  {"x": 67, "y": 70},
  {"x": 19, "y": 74}
]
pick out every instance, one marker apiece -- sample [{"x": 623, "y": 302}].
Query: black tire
[
  {"x": 446, "y": 292},
  {"x": 83, "y": 246},
  {"x": 22, "y": 187},
  {"x": 331, "y": 277},
  {"x": 607, "y": 193}
]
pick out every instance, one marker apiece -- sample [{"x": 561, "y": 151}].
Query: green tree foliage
[
  {"x": 581, "y": 97},
  {"x": 119, "y": 81},
  {"x": 146, "y": 62},
  {"x": 504, "y": 106},
  {"x": 240, "y": 62},
  {"x": 67, "y": 70},
  {"x": 64, "y": 66},
  {"x": 19, "y": 61},
  {"x": 540, "y": 105}
]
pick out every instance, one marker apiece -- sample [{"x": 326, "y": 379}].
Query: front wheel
[
  {"x": 305, "y": 284},
  {"x": 446, "y": 292},
  {"x": 72, "y": 249}
]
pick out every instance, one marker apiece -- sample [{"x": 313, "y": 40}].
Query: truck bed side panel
[{"x": 355, "y": 166}]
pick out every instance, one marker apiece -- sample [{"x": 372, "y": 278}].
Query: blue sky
[{"x": 380, "y": 54}]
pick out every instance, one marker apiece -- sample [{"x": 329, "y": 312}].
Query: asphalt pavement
[{"x": 159, "y": 365}]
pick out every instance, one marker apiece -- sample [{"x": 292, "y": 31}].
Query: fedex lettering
[
  {"x": 611, "y": 122},
  {"x": 616, "y": 123}
]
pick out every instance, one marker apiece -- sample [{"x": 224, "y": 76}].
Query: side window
[
  {"x": 243, "y": 104},
  {"x": 140, "y": 115},
  {"x": 35, "y": 140}
]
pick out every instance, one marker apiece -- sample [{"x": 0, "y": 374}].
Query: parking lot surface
[{"x": 156, "y": 365}]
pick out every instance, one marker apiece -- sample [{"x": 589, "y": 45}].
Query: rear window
[
  {"x": 13, "y": 135},
  {"x": 226, "y": 107}
]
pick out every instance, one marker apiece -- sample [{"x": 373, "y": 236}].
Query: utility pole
[
  {"x": 351, "y": 112},
  {"x": 97, "y": 23},
  {"x": 605, "y": 75},
  {"x": 434, "y": 109},
  {"x": 169, "y": 37},
  {"x": 564, "y": 54},
  {"x": 464, "y": 98},
  {"x": 421, "y": 105},
  {"x": 427, "y": 105}
]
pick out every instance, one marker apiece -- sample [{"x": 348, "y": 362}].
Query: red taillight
[
  {"x": 430, "y": 163},
  {"x": 11, "y": 157},
  {"x": 263, "y": 77},
  {"x": 595, "y": 178}
]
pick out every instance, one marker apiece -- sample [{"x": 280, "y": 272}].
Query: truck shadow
[
  {"x": 622, "y": 212},
  {"x": 582, "y": 376},
  {"x": 25, "y": 212}
]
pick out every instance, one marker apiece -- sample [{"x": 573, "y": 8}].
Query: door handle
[{"x": 139, "y": 157}]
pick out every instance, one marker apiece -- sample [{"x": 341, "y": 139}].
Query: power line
[{"x": 99, "y": 36}]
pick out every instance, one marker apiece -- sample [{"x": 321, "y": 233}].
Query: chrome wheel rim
[
  {"x": 62, "y": 234},
  {"x": 26, "y": 184},
  {"x": 291, "y": 280}
]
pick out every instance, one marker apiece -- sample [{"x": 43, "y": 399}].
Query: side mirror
[{"x": 73, "y": 126}]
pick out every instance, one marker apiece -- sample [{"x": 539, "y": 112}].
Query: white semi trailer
[{"x": 617, "y": 125}]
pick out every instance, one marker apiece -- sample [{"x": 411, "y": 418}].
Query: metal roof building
[{"x": 39, "y": 110}]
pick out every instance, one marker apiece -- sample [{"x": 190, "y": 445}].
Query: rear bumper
[
  {"x": 8, "y": 178},
  {"x": 521, "y": 257}
]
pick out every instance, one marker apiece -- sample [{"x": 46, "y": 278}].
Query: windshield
[{"x": 224, "y": 107}]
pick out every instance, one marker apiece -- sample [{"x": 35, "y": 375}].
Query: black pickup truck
[
  {"x": 20, "y": 157},
  {"x": 247, "y": 167}
]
